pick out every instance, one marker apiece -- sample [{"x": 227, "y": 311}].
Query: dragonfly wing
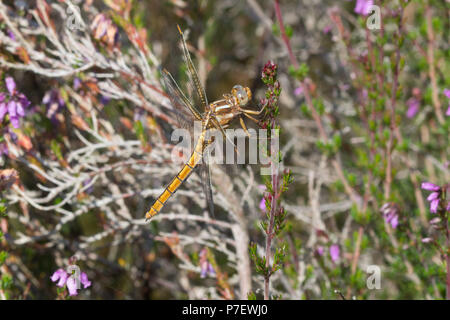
[
  {"x": 192, "y": 73},
  {"x": 184, "y": 109},
  {"x": 205, "y": 176}
]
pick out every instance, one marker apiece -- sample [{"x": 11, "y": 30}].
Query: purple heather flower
[
  {"x": 365, "y": 94},
  {"x": 262, "y": 204},
  {"x": 435, "y": 220},
  {"x": 334, "y": 252},
  {"x": 413, "y": 107},
  {"x": 10, "y": 85},
  {"x": 104, "y": 100},
  {"x": 13, "y": 135},
  {"x": 392, "y": 218},
  {"x": 84, "y": 280},
  {"x": 298, "y": 91},
  {"x": 390, "y": 214},
  {"x": 3, "y": 108},
  {"x": 76, "y": 83},
  {"x": 427, "y": 240},
  {"x": 363, "y": 7},
  {"x": 16, "y": 104},
  {"x": 269, "y": 71},
  {"x": 434, "y": 205},
  {"x": 100, "y": 25},
  {"x": 64, "y": 279},
  {"x": 11, "y": 35},
  {"x": 53, "y": 102},
  {"x": 8, "y": 177},
  {"x": 139, "y": 114},
  {"x": 89, "y": 189},
  {"x": 394, "y": 221},
  {"x": 207, "y": 269},
  {"x": 103, "y": 28},
  {"x": 327, "y": 29},
  {"x": 430, "y": 186},
  {"x": 433, "y": 198},
  {"x": 72, "y": 284},
  {"x": 447, "y": 93},
  {"x": 320, "y": 250},
  {"x": 3, "y": 149},
  {"x": 205, "y": 266},
  {"x": 60, "y": 275}
]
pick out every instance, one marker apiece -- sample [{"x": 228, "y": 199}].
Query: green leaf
[
  {"x": 289, "y": 31},
  {"x": 276, "y": 29},
  {"x": 3, "y": 256},
  {"x": 54, "y": 145},
  {"x": 6, "y": 281},
  {"x": 251, "y": 295}
]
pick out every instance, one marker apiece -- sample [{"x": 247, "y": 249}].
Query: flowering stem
[
  {"x": 447, "y": 257},
  {"x": 283, "y": 34},
  {"x": 276, "y": 185},
  {"x": 269, "y": 231}
]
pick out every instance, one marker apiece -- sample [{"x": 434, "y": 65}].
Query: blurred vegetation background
[{"x": 364, "y": 85}]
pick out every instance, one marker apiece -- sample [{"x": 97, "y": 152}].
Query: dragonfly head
[{"x": 242, "y": 95}]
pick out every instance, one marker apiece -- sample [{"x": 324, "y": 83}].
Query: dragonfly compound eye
[{"x": 241, "y": 94}]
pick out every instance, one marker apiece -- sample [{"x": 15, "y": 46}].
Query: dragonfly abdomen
[{"x": 176, "y": 182}]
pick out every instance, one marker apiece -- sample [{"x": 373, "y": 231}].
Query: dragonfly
[{"x": 216, "y": 115}]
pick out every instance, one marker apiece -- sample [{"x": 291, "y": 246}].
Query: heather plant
[
  {"x": 5, "y": 278},
  {"x": 356, "y": 93},
  {"x": 7, "y": 177},
  {"x": 69, "y": 281},
  {"x": 377, "y": 63},
  {"x": 276, "y": 185}
]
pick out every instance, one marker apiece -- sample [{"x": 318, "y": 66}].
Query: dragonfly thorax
[{"x": 227, "y": 109}]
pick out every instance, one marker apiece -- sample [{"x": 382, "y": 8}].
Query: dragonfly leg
[
  {"x": 251, "y": 118},
  {"x": 257, "y": 113},
  {"x": 220, "y": 128},
  {"x": 209, "y": 141},
  {"x": 244, "y": 127}
]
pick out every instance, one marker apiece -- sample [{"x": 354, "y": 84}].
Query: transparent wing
[
  {"x": 184, "y": 109},
  {"x": 205, "y": 175},
  {"x": 204, "y": 171},
  {"x": 192, "y": 73}
]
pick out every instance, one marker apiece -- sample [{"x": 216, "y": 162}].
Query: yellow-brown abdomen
[{"x": 176, "y": 182}]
